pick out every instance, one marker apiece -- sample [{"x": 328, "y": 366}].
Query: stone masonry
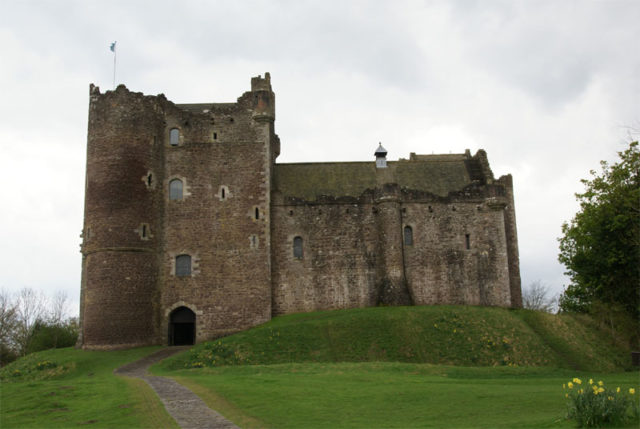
[{"x": 192, "y": 230}]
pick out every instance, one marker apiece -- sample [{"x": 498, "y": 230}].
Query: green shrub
[
  {"x": 596, "y": 405},
  {"x": 52, "y": 336}
]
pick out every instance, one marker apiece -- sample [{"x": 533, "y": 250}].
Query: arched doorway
[{"x": 182, "y": 327}]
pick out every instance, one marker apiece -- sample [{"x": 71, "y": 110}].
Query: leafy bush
[
  {"x": 596, "y": 405},
  {"x": 52, "y": 336}
]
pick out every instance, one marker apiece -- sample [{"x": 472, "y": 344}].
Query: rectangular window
[
  {"x": 408, "y": 236},
  {"x": 174, "y": 137},
  {"x": 297, "y": 247},
  {"x": 183, "y": 265}
]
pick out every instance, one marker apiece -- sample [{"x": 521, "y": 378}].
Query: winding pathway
[{"x": 188, "y": 410}]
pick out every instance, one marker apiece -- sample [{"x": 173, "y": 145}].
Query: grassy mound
[{"x": 451, "y": 335}]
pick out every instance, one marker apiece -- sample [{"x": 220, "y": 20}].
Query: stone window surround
[
  {"x": 227, "y": 193},
  {"x": 261, "y": 214},
  {"x": 185, "y": 187},
  {"x": 149, "y": 177},
  {"x": 168, "y": 136},
  {"x": 195, "y": 263},
  {"x": 254, "y": 241},
  {"x": 140, "y": 229}
]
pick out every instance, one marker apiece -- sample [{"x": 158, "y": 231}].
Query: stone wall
[
  {"x": 355, "y": 254},
  {"x": 458, "y": 254},
  {"x": 339, "y": 257}
]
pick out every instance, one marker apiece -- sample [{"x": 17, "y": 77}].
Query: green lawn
[
  {"x": 69, "y": 387},
  {"x": 388, "y": 395},
  {"x": 432, "y": 366}
]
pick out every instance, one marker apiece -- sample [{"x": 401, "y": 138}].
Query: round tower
[{"x": 123, "y": 213}]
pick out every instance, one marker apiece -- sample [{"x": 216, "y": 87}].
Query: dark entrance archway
[{"x": 182, "y": 327}]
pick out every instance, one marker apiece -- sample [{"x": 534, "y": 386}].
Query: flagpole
[{"x": 113, "y": 49}]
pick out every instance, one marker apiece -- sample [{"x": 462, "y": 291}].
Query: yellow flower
[
  {"x": 591, "y": 381},
  {"x": 600, "y": 389},
  {"x": 570, "y": 384},
  {"x": 577, "y": 381},
  {"x": 632, "y": 391},
  {"x": 617, "y": 389},
  {"x": 600, "y": 383},
  {"x": 581, "y": 391},
  {"x": 566, "y": 395},
  {"x": 610, "y": 398}
]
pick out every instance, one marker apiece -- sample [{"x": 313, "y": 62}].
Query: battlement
[{"x": 260, "y": 84}]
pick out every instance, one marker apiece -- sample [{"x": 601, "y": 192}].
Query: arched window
[
  {"x": 408, "y": 236},
  {"x": 174, "y": 137},
  {"x": 297, "y": 247},
  {"x": 183, "y": 265},
  {"x": 175, "y": 189}
]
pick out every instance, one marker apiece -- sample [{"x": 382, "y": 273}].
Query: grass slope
[
  {"x": 69, "y": 387},
  {"x": 451, "y": 335}
]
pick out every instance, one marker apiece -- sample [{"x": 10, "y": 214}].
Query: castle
[{"x": 193, "y": 231}]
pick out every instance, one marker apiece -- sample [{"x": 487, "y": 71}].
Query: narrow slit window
[
  {"x": 408, "y": 236},
  {"x": 222, "y": 194},
  {"x": 149, "y": 179},
  {"x": 144, "y": 231},
  {"x": 174, "y": 137},
  {"x": 183, "y": 265},
  {"x": 297, "y": 247},
  {"x": 257, "y": 214},
  {"x": 467, "y": 241},
  {"x": 175, "y": 189},
  {"x": 215, "y": 136}
]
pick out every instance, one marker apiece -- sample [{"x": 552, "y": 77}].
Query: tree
[
  {"x": 600, "y": 247},
  {"x": 8, "y": 325},
  {"x": 31, "y": 308},
  {"x": 536, "y": 297},
  {"x": 51, "y": 335},
  {"x": 58, "y": 304}
]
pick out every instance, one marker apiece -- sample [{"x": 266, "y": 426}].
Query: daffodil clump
[{"x": 593, "y": 404}]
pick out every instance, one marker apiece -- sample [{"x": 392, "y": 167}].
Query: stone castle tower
[{"x": 192, "y": 231}]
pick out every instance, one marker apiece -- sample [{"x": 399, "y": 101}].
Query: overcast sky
[{"x": 547, "y": 88}]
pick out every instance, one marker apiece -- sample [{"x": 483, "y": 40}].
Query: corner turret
[{"x": 264, "y": 100}]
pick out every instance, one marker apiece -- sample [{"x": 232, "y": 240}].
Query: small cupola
[{"x": 381, "y": 156}]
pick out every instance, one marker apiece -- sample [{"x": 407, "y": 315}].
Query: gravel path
[{"x": 182, "y": 404}]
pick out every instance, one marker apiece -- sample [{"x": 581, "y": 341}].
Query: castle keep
[{"x": 193, "y": 231}]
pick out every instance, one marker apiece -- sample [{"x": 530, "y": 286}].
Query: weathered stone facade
[{"x": 192, "y": 231}]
